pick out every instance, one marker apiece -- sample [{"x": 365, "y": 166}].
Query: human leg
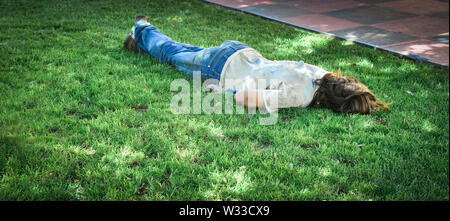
[
  {"x": 151, "y": 41},
  {"x": 184, "y": 57}
]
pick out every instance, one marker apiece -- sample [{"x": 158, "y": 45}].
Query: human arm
[
  {"x": 250, "y": 98},
  {"x": 270, "y": 100}
]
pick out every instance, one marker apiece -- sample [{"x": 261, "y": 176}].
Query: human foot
[
  {"x": 130, "y": 43},
  {"x": 140, "y": 18}
]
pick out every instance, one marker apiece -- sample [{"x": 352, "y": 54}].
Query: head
[
  {"x": 345, "y": 95},
  {"x": 130, "y": 43}
]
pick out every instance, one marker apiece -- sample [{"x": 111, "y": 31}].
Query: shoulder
[{"x": 316, "y": 72}]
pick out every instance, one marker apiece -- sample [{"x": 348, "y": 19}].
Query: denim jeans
[{"x": 186, "y": 58}]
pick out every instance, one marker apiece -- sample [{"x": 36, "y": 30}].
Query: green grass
[{"x": 72, "y": 126}]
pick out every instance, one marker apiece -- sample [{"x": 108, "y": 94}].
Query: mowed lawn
[{"x": 83, "y": 119}]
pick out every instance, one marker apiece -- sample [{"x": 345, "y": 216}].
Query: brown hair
[{"x": 345, "y": 95}]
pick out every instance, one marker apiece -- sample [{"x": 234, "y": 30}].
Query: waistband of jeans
[{"x": 226, "y": 53}]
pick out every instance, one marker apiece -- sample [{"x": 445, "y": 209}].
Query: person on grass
[{"x": 238, "y": 67}]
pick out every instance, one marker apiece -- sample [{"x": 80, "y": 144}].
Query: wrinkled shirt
[{"x": 283, "y": 84}]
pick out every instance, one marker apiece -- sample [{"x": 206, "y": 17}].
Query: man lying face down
[{"x": 256, "y": 81}]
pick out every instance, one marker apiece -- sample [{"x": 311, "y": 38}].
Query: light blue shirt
[{"x": 283, "y": 84}]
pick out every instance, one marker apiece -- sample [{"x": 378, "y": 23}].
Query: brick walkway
[{"x": 416, "y": 28}]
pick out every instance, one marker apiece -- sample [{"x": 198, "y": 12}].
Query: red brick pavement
[{"x": 415, "y": 28}]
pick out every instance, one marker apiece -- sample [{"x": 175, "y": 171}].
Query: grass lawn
[{"x": 83, "y": 119}]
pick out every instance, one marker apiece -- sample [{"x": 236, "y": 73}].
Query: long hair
[{"x": 345, "y": 95}]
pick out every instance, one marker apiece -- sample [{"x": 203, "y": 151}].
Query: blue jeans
[{"x": 186, "y": 58}]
